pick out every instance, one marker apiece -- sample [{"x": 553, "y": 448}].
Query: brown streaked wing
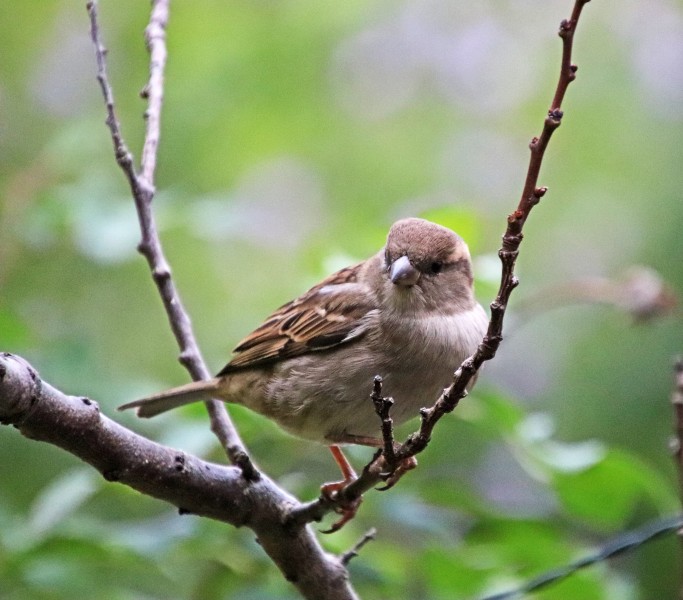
[{"x": 309, "y": 323}]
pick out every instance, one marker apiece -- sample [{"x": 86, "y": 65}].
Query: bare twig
[
  {"x": 382, "y": 408},
  {"x": 641, "y": 293},
  {"x": 531, "y": 195},
  {"x": 352, "y": 552},
  {"x": 155, "y": 38},
  {"x": 677, "y": 402},
  {"x": 677, "y": 443},
  {"x": 625, "y": 542},
  {"x": 467, "y": 372},
  {"x": 143, "y": 189}
]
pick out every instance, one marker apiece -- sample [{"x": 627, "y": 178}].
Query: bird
[{"x": 407, "y": 313}]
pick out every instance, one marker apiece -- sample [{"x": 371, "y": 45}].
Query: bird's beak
[{"x": 403, "y": 273}]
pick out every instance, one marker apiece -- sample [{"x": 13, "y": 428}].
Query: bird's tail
[{"x": 173, "y": 398}]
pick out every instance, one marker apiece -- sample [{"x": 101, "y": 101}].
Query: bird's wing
[{"x": 334, "y": 312}]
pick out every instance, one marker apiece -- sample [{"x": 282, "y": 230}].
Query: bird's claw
[
  {"x": 391, "y": 478},
  {"x": 346, "y": 508}
]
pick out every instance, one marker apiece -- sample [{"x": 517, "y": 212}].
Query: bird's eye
[{"x": 436, "y": 266}]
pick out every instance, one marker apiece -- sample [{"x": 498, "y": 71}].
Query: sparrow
[{"x": 408, "y": 314}]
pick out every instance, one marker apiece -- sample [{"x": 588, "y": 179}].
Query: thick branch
[
  {"x": 143, "y": 190},
  {"x": 41, "y": 412}
]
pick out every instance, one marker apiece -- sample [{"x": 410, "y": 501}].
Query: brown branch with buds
[
  {"x": 375, "y": 471},
  {"x": 531, "y": 195},
  {"x": 677, "y": 441},
  {"x": 677, "y": 403},
  {"x": 143, "y": 190}
]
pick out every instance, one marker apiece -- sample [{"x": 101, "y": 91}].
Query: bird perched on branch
[{"x": 408, "y": 314}]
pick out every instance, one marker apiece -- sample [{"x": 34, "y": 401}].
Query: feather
[
  {"x": 173, "y": 398},
  {"x": 333, "y": 312}
]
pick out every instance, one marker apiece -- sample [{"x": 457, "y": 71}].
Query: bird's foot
[
  {"x": 391, "y": 477},
  {"x": 346, "y": 508}
]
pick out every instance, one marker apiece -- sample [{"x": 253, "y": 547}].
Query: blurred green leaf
[
  {"x": 606, "y": 494},
  {"x": 60, "y": 499}
]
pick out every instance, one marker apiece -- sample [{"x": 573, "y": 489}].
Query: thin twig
[
  {"x": 382, "y": 408},
  {"x": 531, "y": 195},
  {"x": 352, "y": 552},
  {"x": 677, "y": 402},
  {"x": 623, "y": 543},
  {"x": 143, "y": 189},
  {"x": 467, "y": 372},
  {"x": 155, "y": 38}
]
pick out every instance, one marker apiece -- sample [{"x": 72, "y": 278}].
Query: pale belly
[{"x": 325, "y": 396}]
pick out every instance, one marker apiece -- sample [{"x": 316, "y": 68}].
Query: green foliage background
[{"x": 294, "y": 133}]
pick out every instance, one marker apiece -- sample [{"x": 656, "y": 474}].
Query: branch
[
  {"x": 375, "y": 471},
  {"x": 143, "y": 190},
  {"x": 626, "y": 542},
  {"x": 42, "y": 413},
  {"x": 352, "y": 552},
  {"x": 531, "y": 195},
  {"x": 677, "y": 402},
  {"x": 641, "y": 293}
]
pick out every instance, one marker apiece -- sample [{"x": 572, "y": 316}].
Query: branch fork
[{"x": 143, "y": 190}]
